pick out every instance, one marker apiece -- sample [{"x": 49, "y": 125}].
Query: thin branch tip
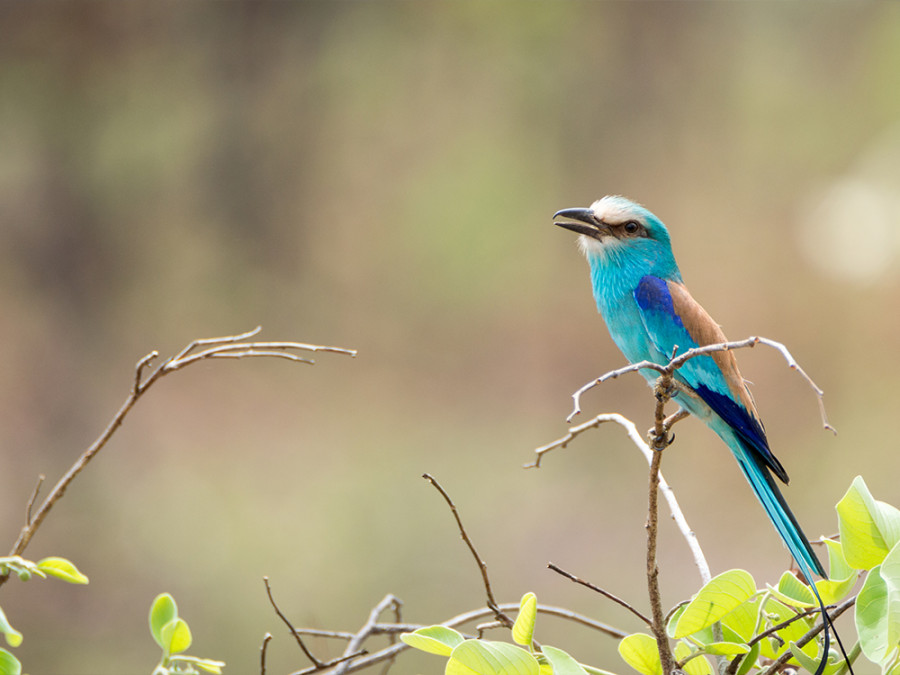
[{"x": 482, "y": 565}]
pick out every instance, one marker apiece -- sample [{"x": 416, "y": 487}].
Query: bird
[{"x": 651, "y": 316}]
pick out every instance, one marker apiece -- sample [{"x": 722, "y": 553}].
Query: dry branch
[
  {"x": 230, "y": 346},
  {"x": 391, "y": 651},
  {"x": 587, "y": 584}
]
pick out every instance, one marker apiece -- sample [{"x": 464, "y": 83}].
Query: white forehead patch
[{"x": 613, "y": 209}]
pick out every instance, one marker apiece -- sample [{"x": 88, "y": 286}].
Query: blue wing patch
[{"x": 652, "y": 295}]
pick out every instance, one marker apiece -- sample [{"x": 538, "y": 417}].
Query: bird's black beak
[{"x": 585, "y": 222}]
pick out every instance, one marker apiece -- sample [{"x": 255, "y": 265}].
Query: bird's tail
[{"x": 766, "y": 490}]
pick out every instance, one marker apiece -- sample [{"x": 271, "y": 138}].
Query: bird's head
[{"x": 616, "y": 230}]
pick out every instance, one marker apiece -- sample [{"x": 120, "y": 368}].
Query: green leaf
[
  {"x": 794, "y": 592},
  {"x": 176, "y": 636},
  {"x": 561, "y": 662},
  {"x": 869, "y": 528},
  {"x": 523, "y": 629},
  {"x": 749, "y": 660},
  {"x": 206, "y": 665},
  {"x": 812, "y": 663},
  {"x": 24, "y": 569},
  {"x": 871, "y": 616},
  {"x": 841, "y": 578},
  {"x": 726, "y": 648},
  {"x": 13, "y": 637},
  {"x": 793, "y": 631},
  {"x": 838, "y": 567},
  {"x": 640, "y": 652},
  {"x": 162, "y": 611},
  {"x": 438, "y": 640},
  {"x": 674, "y": 616},
  {"x": 62, "y": 569},
  {"x": 9, "y": 664},
  {"x": 744, "y": 620},
  {"x": 591, "y": 670},
  {"x": 697, "y": 665},
  {"x": 721, "y": 595},
  {"x": 878, "y": 609},
  {"x": 491, "y": 658}
]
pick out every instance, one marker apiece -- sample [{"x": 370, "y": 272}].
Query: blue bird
[{"x": 651, "y": 315}]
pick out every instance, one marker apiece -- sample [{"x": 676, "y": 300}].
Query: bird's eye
[{"x": 632, "y": 227}]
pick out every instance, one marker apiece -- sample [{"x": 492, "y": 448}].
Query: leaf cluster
[
  {"x": 490, "y": 657},
  {"x": 25, "y": 570},
  {"x": 173, "y": 635}
]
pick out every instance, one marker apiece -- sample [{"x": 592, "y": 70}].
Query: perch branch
[
  {"x": 660, "y": 440},
  {"x": 231, "y": 346},
  {"x": 676, "y": 362}
]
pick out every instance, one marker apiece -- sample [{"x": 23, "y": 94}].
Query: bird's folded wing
[{"x": 675, "y": 321}]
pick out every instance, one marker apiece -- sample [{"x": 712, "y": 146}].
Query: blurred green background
[{"x": 382, "y": 177}]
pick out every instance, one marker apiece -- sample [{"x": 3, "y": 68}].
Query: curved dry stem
[
  {"x": 482, "y": 565},
  {"x": 638, "y": 440}
]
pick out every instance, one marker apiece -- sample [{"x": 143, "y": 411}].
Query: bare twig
[
  {"x": 604, "y": 593},
  {"x": 784, "y": 624},
  {"x": 33, "y": 498},
  {"x": 317, "y": 632},
  {"x": 318, "y": 665},
  {"x": 263, "y": 648},
  {"x": 779, "y": 663},
  {"x": 611, "y": 375},
  {"x": 230, "y": 346},
  {"x": 793, "y": 365},
  {"x": 641, "y": 444},
  {"x": 334, "y": 662},
  {"x": 473, "y": 615},
  {"x": 354, "y": 646},
  {"x": 482, "y": 566},
  {"x": 316, "y": 662},
  {"x": 676, "y": 362}
]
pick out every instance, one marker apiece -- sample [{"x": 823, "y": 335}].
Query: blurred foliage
[{"x": 381, "y": 176}]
